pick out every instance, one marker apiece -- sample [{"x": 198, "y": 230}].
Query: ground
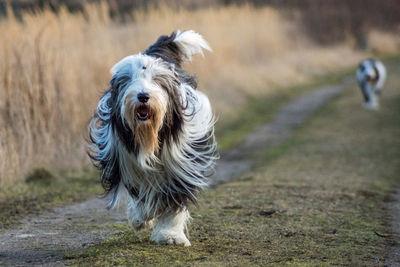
[
  {"x": 317, "y": 199},
  {"x": 43, "y": 190},
  {"x": 322, "y": 197}
]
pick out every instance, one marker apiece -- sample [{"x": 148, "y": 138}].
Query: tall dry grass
[{"x": 53, "y": 69}]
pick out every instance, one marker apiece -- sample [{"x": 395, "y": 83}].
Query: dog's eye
[{"x": 144, "y": 67}]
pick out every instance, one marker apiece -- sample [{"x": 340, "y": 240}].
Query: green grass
[{"x": 316, "y": 200}]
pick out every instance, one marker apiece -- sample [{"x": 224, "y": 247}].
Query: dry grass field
[{"x": 55, "y": 66}]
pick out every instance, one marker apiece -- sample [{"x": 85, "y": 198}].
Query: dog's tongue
[{"x": 143, "y": 111}]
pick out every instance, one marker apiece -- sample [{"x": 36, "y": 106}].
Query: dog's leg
[
  {"x": 137, "y": 216},
  {"x": 169, "y": 228}
]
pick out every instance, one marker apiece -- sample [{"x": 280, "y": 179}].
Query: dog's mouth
[
  {"x": 143, "y": 113},
  {"x": 371, "y": 78}
]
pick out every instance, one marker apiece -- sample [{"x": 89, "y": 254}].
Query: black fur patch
[
  {"x": 363, "y": 86},
  {"x": 120, "y": 126},
  {"x": 109, "y": 164},
  {"x": 166, "y": 49},
  {"x": 110, "y": 176},
  {"x": 173, "y": 120},
  {"x": 373, "y": 61}
]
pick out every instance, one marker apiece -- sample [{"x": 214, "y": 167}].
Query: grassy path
[
  {"x": 43, "y": 190},
  {"x": 45, "y": 238},
  {"x": 318, "y": 199},
  {"x": 269, "y": 135},
  {"x": 325, "y": 196}
]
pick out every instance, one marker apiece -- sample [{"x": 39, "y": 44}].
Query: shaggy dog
[
  {"x": 152, "y": 136},
  {"x": 371, "y": 76}
]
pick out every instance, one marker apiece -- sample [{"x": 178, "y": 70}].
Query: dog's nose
[{"x": 143, "y": 97}]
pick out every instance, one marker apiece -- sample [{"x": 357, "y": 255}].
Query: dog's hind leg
[
  {"x": 169, "y": 228},
  {"x": 137, "y": 216}
]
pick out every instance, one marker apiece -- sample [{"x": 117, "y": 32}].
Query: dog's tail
[{"x": 178, "y": 47}]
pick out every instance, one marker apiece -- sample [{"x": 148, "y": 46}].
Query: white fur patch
[
  {"x": 169, "y": 229},
  {"x": 191, "y": 43}
]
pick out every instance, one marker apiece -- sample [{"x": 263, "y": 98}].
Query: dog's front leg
[
  {"x": 137, "y": 216},
  {"x": 169, "y": 228}
]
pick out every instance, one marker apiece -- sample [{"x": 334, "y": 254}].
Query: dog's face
[
  {"x": 149, "y": 97},
  {"x": 147, "y": 104}
]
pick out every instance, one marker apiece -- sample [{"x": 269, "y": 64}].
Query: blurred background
[{"x": 55, "y": 58}]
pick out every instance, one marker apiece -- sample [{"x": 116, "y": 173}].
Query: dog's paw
[
  {"x": 170, "y": 238},
  {"x": 371, "y": 105},
  {"x": 140, "y": 225}
]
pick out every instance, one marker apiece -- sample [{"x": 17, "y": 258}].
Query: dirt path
[
  {"x": 44, "y": 239},
  {"x": 242, "y": 158}
]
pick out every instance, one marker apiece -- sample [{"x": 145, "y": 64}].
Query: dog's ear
[
  {"x": 124, "y": 64},
  {"x": 178, "y": 47}
]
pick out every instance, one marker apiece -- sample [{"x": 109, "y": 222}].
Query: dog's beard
[
  {"x": 146, "y": 135},
  {"x": 146, "y": 130}
]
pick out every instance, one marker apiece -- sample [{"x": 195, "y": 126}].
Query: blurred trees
[{"x": 325, "y": 21}]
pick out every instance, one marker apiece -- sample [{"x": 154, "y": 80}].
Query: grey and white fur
[
  {"x": 152, "y": 136},
  {"x": 371, "y": 76}
]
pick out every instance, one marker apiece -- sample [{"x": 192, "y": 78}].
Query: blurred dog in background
[
  {"x": 371, "y": 76},
  {"x": 152, "y": 136}
]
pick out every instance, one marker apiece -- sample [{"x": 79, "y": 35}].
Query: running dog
[
  {"x": 152, "y": 136},
  {"x": 371, "y": 76}
]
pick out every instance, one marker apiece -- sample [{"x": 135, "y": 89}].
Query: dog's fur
[
  {"x": 155, "y": 154},
  {"x": 371, "y": 76}
]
